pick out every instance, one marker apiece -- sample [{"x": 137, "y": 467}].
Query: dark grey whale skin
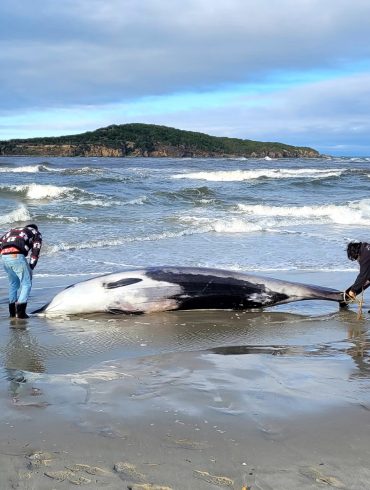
[{"x": 185, "y": 288}]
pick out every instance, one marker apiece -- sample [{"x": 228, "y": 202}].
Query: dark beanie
[
  {"x": 33, "y": 226},
  {"x": 353, "y": 250}
]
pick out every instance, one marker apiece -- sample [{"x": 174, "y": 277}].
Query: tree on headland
[{"x": 149, "y": 140}]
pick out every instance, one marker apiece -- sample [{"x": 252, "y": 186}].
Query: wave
[
  {"x": 81, "y": 170},
  {"x": 26, "y": 169},
  {"x": 60, "y": 218},
  {"x": 45, "y": 168},
  {"x": 359, "y": 159},
  {"x": 196, "y": 226},
  {"x": 275, "y": 218},
  {"x": 22, "y": 214},
  {"x": 76, "y": 274},
  {"x": 219, "y": 225},
  {"x": 38, "y": 191},
  {"x": 353, "y": 213},
  {"x": 15, "y": 216},
  {"x": 70, "y": 246},
  {"x": 188, "y": 194},
  {"x": 139, "y": 201},
  {"x": 282, "y": 268},
  {"x": 107, "y": 179},
  {"x": 53, "y": 192},
  {"x": 279, "y": 173}
]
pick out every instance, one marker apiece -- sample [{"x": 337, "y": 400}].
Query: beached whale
[{"x": 180, "y": 288}]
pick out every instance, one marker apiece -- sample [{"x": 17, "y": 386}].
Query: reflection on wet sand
[
  {"x": 360, "y": 349},
  {"x": 22, "y": 356},
  {"x": 356, "y": 345},
  {"x": 70, "y": 344}
]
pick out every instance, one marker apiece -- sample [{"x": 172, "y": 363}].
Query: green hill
[{"x": 127, "y": 140}]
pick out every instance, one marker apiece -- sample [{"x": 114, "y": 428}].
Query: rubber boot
[
  {"x": 11, "y": 310},
  {"x": 21, "y": 310}
]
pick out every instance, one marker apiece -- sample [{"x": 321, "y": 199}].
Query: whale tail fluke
[{"x": 40, "y": 310}]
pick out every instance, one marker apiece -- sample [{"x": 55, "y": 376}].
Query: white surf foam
[
  {"x": 95, "y": 202},
  {"x": 53, "y": 192},
  {"x": 60, "y": 217},
  {"x": 353, "y": 213},
  {"x": 46, "y": 168},
  {"x": 19, "y": 214},
  {"x": 279, "y": 173},
  {"x": 26, "y": 169},
  {"x": 219, "y": 225},
  {"x": 138, "y": 201},
  {"x": 38, "y": 191}
]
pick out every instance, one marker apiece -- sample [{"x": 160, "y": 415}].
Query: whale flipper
[{"x": 121, "y": 283}]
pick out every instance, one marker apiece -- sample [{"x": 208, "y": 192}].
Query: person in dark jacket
[
  {"x": 359, "y": 251},
  {"x": 15, "y": 245}
]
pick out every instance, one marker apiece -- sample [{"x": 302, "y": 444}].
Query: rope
[
  {"x": 359, "y": 308},
  {"x": 359, "y": 299}
]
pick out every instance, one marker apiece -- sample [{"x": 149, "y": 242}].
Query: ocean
[
  {"x": 100, "y": 215},
  {"x": 219, "y": 381}
]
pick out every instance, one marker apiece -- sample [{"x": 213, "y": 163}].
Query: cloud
[{"x": 83, "y": 52}]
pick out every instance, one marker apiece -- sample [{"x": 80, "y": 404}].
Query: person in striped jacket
[{"x": 15, "y": 246}]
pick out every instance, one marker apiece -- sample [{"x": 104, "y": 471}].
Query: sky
[{"x": 293, "y": 71}]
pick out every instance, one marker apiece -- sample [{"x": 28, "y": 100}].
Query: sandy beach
[{"x": 262, "y": 400}]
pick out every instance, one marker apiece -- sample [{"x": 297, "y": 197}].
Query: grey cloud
[{"x": 62, "y": 53}]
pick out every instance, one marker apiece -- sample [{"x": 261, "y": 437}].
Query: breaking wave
[
  {"x": 46, "y": 168},
  {"x": 38, "y": 191},
  {"x": 53, "y": 192},
  {"x": 219, "y": 225},
  {"x": 353, "y": 213},
  {"x": 280, "y": 173},
  {"x": 27, "y": 169},
  {"x": 17, "y": 215}
]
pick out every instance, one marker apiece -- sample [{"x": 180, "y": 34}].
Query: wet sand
[
  {"x": 187, "y": 400},
  {"x": 267, "y": 418}
]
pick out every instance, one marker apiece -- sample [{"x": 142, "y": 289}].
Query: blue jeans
[{"x": 19, "y": 276}]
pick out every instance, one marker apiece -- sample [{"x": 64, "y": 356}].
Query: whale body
[{"x": 156, "y": 289}]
